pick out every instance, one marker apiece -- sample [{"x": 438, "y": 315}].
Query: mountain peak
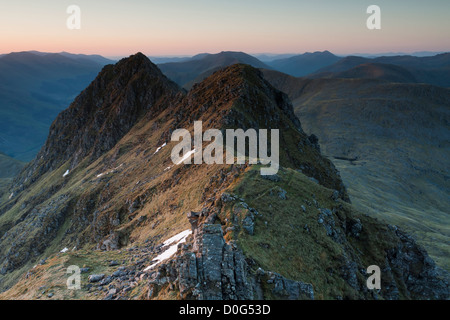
[
  {"x": 103, "y": 113},
  {"x": 238, "y": 97},
  {"x": 138, "y": 62},
  {"x": 187, "y": 73}
]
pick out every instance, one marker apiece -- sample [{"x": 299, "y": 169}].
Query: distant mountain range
[
  {"x": 301, "y": 65},
  {"x": 197, "y": 68},
  {"x": 433, "y": 70},
  {"x": 406, "y": 69},
  {"x": 34, "y": 88}
]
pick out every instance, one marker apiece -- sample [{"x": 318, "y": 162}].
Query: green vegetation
[
  {"x": 292, "y": 241},
  {"x": 51, "y": 276},
  {"x": 398, "y": 135}
]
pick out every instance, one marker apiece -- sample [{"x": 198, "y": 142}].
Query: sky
[{"x": 118, "y": 28}]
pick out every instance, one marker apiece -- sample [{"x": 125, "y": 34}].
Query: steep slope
[
  {"x": 304, "y": 64},
  {"x": 390, "y": 142},
  {"x": 131, "y": 203},
  {"x": 186, "y": 73},
  {"x": 34, "y": 88},
  {"x": 103, "y": 113},
  {"x": 78, "y": 145}
]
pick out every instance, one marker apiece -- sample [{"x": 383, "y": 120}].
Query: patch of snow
[
  {"x": 64, "y": 250},
  {"x": 66, "y": 173},
  {"x": 187, "y": 155},
  {"x": 178, "y": 237},
  {"x": 110, "y": 171},
  {"x": 159, "y": 148},
  {"x": 169, "y": 252}
]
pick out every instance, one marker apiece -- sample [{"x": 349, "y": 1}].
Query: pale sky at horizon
[{"x": 182, "y": 27}]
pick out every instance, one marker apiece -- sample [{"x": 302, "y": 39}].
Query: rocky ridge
[{"x": 122, "y": 191}]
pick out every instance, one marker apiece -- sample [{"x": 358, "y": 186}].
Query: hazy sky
[{"x": 186, "y": 27}]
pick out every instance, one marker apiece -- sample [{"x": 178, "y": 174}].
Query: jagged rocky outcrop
[
  {"x": 102, "y": 114},
  {"x": 208, "y": 268},
  {"x": 418, "y": 271}
]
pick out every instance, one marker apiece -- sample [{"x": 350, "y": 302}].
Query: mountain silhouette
[
  {"x": 194, "y": 70},
  {"x": 301, "y": 65},
  {"x": 433, "y": 70}
]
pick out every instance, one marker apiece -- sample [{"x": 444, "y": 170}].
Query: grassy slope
[
  {"x": 280, "y": 241},
  {"x": 401, "y": 174},
  {"x": 166, "y": 195},
  {"x": 52, "y": 276}
]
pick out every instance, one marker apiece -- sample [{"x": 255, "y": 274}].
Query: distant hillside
[
  {"x": 194, "y": 70},
  {"x": 433, "y": 70},
  {"x": 341, "y": 65},
  {"x": 34, "y": 88},
  {"x": 304, "y": 64},
  {"x": 9, "y": 167},
  {"x": 271, "y": 57},
  {"x": 391, "y": 143},
  {"x": 160, "y": 60},
  {"x": 88, "y": 57},
  {"x": 380, "y": 71}
]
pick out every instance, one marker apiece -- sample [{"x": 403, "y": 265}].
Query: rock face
[
  {"x": 103, "y": 113},
  {"x": 418, "y": 271},
  {"x": 208, "y": 268}
]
